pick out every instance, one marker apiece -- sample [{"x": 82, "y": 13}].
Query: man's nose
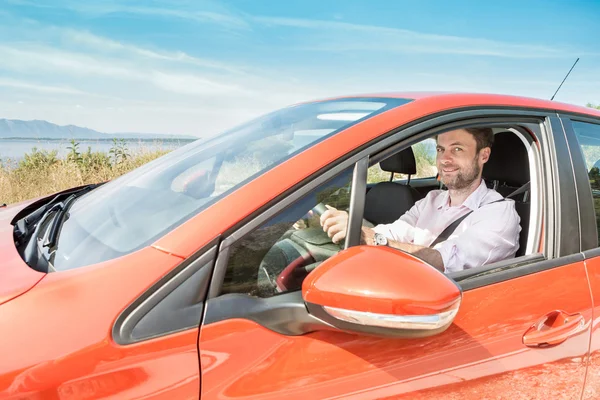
[{"x": 444, "y": 157}]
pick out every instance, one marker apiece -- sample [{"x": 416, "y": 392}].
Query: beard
[{"x": 463, "y": 178}]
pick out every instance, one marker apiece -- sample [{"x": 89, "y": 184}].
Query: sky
[{"x": 198, "y": 67}]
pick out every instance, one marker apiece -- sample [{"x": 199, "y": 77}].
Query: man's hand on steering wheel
[{"x": 334, "y": 223}]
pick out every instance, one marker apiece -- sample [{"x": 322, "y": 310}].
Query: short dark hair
[{"x": 484, "y": 137}]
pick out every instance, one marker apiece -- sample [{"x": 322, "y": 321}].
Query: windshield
[{"x": 134, "y": 210}]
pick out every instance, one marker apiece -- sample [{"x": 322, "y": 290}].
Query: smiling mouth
[{"x": 449, "y": 170}]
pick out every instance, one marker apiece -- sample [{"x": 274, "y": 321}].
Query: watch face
[{"x": 380, "y": 239}]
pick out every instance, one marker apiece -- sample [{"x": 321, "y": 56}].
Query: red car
[{"x": 203, "y": 274}]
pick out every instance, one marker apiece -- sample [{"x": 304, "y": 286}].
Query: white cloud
[
  {"x": 11, "y": 83},
  {"x": 68, "y": 64},
  {"x": 228, "y": 21},
  {"x": 39, "y": 58},
  {"x": 108, "y": 45},
  {"x": 344, "y": 36},
  {"x": 202, "y": 12},
  {"x": 192, "y": 84}
]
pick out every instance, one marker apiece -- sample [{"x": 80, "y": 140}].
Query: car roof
[{"x": 448, "y": 100}]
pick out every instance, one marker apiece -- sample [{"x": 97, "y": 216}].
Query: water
[{"x": 14, "y": 150}]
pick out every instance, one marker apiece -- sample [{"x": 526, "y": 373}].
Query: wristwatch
[{"x": 380, "y": 240}]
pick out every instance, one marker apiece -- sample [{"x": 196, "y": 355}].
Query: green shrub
[
  {"x": 119, "y": 151},
  {"x": 38, "y": 159},
  {"x": 74, "y": 155},
  {"x": 93, "y": 161}
]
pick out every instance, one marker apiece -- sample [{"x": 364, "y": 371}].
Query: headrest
[
  {"x": 508, "y": 161},
  {"x": 400, "y": 163}
]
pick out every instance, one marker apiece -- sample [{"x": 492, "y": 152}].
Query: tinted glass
[
  {"x": 134, "y": 210},
  {"x": 588, "y": 136},
  {"x": 277, "y": 256}
]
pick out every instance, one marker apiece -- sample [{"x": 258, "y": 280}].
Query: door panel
[
  {"x": 481, "y": 355},
  {"x": 592, "y": 382},
  {"x": 583, "y": 138}
]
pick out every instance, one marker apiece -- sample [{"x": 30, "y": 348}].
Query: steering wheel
[
  {"x": 305, "y": 262},
  {"x": 319, "y": 209}
]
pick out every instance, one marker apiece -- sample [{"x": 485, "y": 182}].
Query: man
[{"x": 489, "y": 234}]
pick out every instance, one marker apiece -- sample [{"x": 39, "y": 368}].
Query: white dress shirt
[{"x": 489, "y": 234}]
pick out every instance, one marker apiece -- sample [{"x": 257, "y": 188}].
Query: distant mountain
[{"x": 38, "y": 129}]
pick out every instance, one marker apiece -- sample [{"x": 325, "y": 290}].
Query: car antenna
[{"x": 564, "y": 79}]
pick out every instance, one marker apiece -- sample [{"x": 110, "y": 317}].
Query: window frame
[
  {"x": 152, "y": 315},
  {"x": 535, "y": 165},
  {"x": 589, "y": 243},
  {"x": 542, "y": 167}
]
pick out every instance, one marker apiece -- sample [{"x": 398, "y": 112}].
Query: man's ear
[{"x": 484, "y": 154}]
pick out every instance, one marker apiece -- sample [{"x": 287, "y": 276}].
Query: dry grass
[{"x": 23, "y": 181}]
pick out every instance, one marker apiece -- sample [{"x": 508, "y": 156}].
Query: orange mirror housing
[{"x": 376, "y": 289}]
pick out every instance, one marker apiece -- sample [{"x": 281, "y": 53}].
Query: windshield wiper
[
  {"x": 27, "y": 229},
  {"x": 30, "y": 253},
  {"x": 23, "y": 226},
  {"x": 58, "y": 220}
]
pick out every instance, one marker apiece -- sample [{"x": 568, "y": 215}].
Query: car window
[
  {"x": 588, "y": 136},
  {"x": 134, "y": 210},
  {"x": 425, "y": 155},
  {"x": 275, "y": 257}
]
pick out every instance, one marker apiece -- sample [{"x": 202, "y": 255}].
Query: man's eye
[
  {"x": 438, "y": 150},
  {"x": 457, "y": 149}
]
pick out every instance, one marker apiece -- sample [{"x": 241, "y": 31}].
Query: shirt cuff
[
  {"x": 399, "y": 231},
  {"x": 384, "y": 230}
]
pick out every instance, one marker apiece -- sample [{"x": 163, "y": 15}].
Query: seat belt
[
  {"x": 520, "y": 190},
  {"x": 452, "y": 227}
]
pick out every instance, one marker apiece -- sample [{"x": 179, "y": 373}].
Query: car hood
[{"x": 17, "y": 277}]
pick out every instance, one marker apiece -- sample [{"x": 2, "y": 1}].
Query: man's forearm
[{"x": 430, "y": 256}]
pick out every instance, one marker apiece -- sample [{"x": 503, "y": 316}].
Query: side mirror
[{"x": 381, "y": 291}]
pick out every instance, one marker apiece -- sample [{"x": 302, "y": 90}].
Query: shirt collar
[
  {"x": 476, "y": 198},
  {"x": 472, "y": 202}
]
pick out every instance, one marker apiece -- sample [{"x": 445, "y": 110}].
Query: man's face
[{"x": 458, "y": 162}]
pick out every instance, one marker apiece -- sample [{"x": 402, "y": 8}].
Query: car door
[
  {"x": 263, "y": 345},
  {"x": 583, "y": 136}
]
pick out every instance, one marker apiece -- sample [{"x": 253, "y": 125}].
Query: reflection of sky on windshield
[{"x": 303, "y": 138}]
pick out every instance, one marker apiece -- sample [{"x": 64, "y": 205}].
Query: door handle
[{"x": 552, "y": 329}]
